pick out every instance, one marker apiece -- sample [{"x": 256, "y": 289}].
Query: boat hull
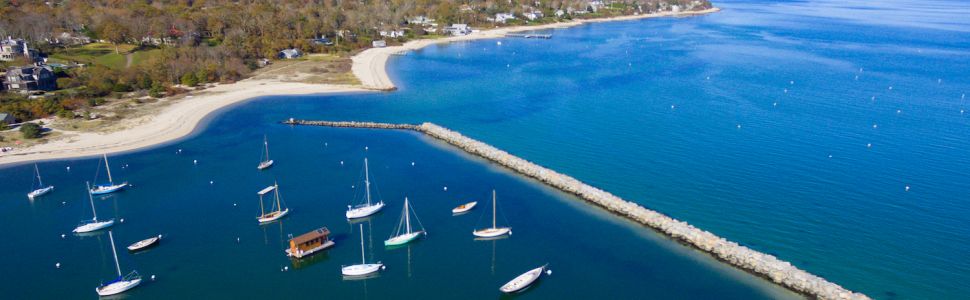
[
  {"x": 107, "y": 189},
  {"x": 273, "y": 216},
  {"x": 361, "y": 270},
  {"x": 404, "y": 238},
  {"x": 40, "y": 192},
  {"x": 492, "y": 232},
  {"x": 302, "y": 254},
  {"x": 93, "y": 226},
  {"x": 265, "y": 165},
  {"x": 144, "y": 244},
  {"x": 364, "y": 211},
  {"x": 464, "y": 207},
  {"x": 522, "y": 281},
  {"x": 117, "y": 287}
]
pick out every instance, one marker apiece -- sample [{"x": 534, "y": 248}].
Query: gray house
[
  {"x": 11, "y": 49},
  {"x": 290, "y": 53},
  {"x": 30, "y": 78}
]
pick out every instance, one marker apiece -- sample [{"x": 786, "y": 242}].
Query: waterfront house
[
  {"x": 379, "y": 44},
  {"x": 6, "y": 118},
  {"x": 392, "y": 33},
  {"x": 420, "y": 20},
  {"x": 534, "y": 15},
  {"x": 458, "y": 29},
  {"x": 560, "y": 13},
  {"x": 502, "y": 17},
  {"x": 30, "y": 78},
  {"x": 11, "y": 49},
  {"x": 290, "y": 53}
]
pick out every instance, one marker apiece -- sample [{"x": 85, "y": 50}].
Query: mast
[
  {"x": 39, "y": 181},
  {"x": 277, "y": 188},
  {"x": 407, "y": 215},
  {"x": 91, "y": 198},
  {"x": 362, "y": 261},
  {"x": 367, "y": 180},
  {"x": 106, "y": 166},
  {"x": 115, "y": 252},
  {"x": 493, "y": 210},
  {"x": 266, "y": 145},
  {"x": 261, "y": 211}
]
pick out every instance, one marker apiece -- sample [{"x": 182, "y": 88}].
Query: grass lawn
[{"x": 102, "y": 54}]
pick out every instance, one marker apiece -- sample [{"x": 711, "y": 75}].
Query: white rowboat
[
  {"x": 142, "y": 244},
  {"x": 464, "y": 207},
  {"x": 523, "y": 281}
]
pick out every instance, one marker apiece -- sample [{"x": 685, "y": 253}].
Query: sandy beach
[{"x": 183, "y": 116}]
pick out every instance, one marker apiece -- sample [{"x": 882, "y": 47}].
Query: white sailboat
[
  {"x": 364, "y": 268},
  {"x": 367, "y": 208},
  {"x": 120, "y": 284},
  {"x": 401, "y": 238},
  {"x": 278, "y": 211},
  {"x": 41, "y": 189},
  {"x": 494, "y": 231},
  {"x": 93, "y": 224},
  {"x": 266, "y": 162},
  {"x": 523, "y": 281},
  {"x": 144, "y": 244},
  {"x": 111, "y": 187}
]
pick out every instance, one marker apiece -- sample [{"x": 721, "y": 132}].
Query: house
[
  {"x": 502, "y": 17},
  {"x": 392, "y": 33},
  {"x": 321, "y": 41},
  {"x": 560, "y": 13},
  {"x": 379, "y": 44},
  {"x": 458, "y": 29},
  {"x": 6, "y": 118},
  {"x": 70, "y": 39},
  {"x": 11, "y": 49},
  {"x": 290, "y": 53},
  {"x": 420, "y": 20},
  {"x": 31, "y": 78},
  {"x": 532, "y": 16}
]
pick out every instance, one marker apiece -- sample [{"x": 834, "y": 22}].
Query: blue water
[{"x": 770, "y": 123}]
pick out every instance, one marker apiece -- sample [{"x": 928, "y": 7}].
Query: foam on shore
[{"x": 761, "y": 264}]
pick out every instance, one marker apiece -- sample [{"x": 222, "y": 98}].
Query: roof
[{"x": 303, "y": 238}]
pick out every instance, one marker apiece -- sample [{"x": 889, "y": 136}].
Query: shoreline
[
  {"x": 760, "y": 264},
  {"x": 181, "y": 119}
]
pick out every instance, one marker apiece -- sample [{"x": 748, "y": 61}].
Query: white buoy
[
  {"x": 353, "y": 186},
  {"x": 122, "y": 220},
  {"x": 786, "y": 91},
  {"x": 195, "y": 161},
  {"x": 548, "y": 272},
  {"x": 899, "y": 111},
  {"x": 961, "y": 111},
  {"x": 211, "y": 182},
  {"x": 873, "y": 98},
  {"x": 875, "y": 126},
  {"x": 180, "y": 150},
  {"x": 830, "y": 155},
  {"x": 857, "y": 77},
  {"x": 907, "y": 188},
  {"x": 57, "y": 265},
  {"x": 63, "y": 202},
  {"x": 869, "y": 145},
  {"x": 498, "y": 43},
  {"x": 325, "y": 144},
  {"x": 739, "y": 126},
  {"x": 341, "y": 163},
  {"x": 445, "y": 188},
  {"x": 774, "y": 104},
  {"x": 234, "y": 205},
  {"x": 237, "y": 240},
  {"x": 673, "y": 106},
  {"x": 708, "y": 77},
  {"x": 791, "y": 82},
  {"x": 69, "y": 168},
  {"x": 286, "y": 268},
  {"x": 890, "y": 88},
  {"x": 412, "y": 163},
  {"x": 383, "y": 267},
  {"x": 153, "y": 277},
  {"x": 365, "y": 148},
  {"x": 63, "y": 235}
]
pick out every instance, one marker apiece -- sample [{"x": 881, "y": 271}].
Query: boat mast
[
  {"x": 39, "y": 181},
  {"x": 277, "y": 188},
  {"x": 493, "y": 210},
  {"x": 261, "y": 211},
  {"x": 362, "y": 261},
  {"x": 106, "y": 166},
  {"x": 407, "y": 215},
  {"x": 266, "y": 145},
  {"x": 91, "y": 198},
  {"x": 367, "y": 180},
  {"x": 115, "y": 252}
]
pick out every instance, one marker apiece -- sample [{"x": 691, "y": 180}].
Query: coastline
[{"x": 180, "y": 119}]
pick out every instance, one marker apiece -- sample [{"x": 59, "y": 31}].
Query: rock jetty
[{"x": 761, "y": 264}]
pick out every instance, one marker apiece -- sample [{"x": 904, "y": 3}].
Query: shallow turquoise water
[{"x": 648, "y": 110}]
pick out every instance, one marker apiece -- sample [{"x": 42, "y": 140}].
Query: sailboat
[
  {"x": 41, "y": 189},
  {"x": 367, "y": 208},
  {"x": 364, "y": 268},
  {"x": 276, "y": 214},
  {"x": 120, "y": 284},
  {"x": 407, "y": 236},
  {"x": 266, "y": 162},
  {"x": 525, "y": 280},
  {"x": 93, "y": 224},
  {"x": 494, "y": 231},
  {"x": 111, "y": 187}
]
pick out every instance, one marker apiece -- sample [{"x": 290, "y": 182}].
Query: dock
[
  {"x": 529, "y": 35},
  {"x": 761, "y": 264}
]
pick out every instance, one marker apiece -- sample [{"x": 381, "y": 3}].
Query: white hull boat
[
  {"x": 120, "y": 284},
  {"x": 494, "y": 231},
  {"x": 464, "y": 207},
  {"x": 144, "y": 244},
  {"x": 279, "y": 212},
  {"x": 273, "y": 216},
  {"x": 93, "y": 225},
  {"x": 40, "y": 192},
  {"x": 523, "y": 281},
  {"x": 107, "y": 189},
  {"x": 361, "y": 269},
  {"x": 266, "y": 162},
  {"x": 404, "y": 238},
  {"x": 265, "y": 165},
  {"x": 364, "y": 210}
]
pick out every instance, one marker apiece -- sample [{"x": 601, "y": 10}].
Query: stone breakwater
[{"x": 765, "y": 265}]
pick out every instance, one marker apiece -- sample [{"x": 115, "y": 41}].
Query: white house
[
  {"x": 392, "y": 33},
  {"x": 533, "y": 15},
  {"x": 421, "y": 20},
  {"x": 502, "y": 17},
  {"x": 379, "y": 44},
  {"x": 458, "y": 29},
  {"x": 560, "y": 13},
  {"x": 11, "y": 49}
]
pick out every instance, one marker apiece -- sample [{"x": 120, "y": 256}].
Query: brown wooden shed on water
[{"x": 310, "y": 242}]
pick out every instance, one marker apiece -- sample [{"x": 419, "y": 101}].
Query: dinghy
[
  {"x": 367, "y": 208},
  {"x": 93, "y": 224},
  {"x": 266, "y": 162},
  {"x": 523, "y": 281},
  {"x": 145, "y": 244},
  {"x": 363, "y": 269},
  {"x": 401, "y": 238},
  {"x": 41, "y": 189},
  {"x": 278, "y": 212},
  {"x": 120, "y": 284},
  {"x": 111, "y": 187},
  {"x": 494, "y": 231},
  {"x": 464, "y": 208}
]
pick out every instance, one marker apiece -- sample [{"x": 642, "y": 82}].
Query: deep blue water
[{"x": 770, "y": 123}]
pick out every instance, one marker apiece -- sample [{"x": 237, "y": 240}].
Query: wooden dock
[{"x": 529, "y": 35}]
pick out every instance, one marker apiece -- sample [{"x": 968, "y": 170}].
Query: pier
[
  {"x": 529, "y": 35},
  {"x": 761, "y": 264}
]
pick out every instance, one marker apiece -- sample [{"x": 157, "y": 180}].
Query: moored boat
[
  {"x": 523, "y": 281},
  {"x": 363, "y": 269},
  {"x": 493, "y": 231},
  {"x": 121, "y": 283},
  {"x": 401, "y": 238},
  {"x": 309, "y": 243},
  {"x": 145, "y": 244},
  {"x": 110, "y": 187},
  {"x": 367, "y": 208},
  {"x": 93, "y": 224},
  {"x": 265, "y": 162},
  {"x": 41, "y": 189},
  {"x": 277, "y": 212},
  {"x": 464, "y": 207}
]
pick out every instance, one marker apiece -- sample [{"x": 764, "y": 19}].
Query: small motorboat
[
  {"x": 464, "y": 207},
  {"x": 523, "y": 281},
  {"x": 144, "y": 244}
]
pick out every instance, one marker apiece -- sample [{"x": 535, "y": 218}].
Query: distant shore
[{"x": 181, "y": 118}]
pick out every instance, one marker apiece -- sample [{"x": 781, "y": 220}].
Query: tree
[
  {"x": 30, "y": 130},
  {"x": 114, "y": 32},
  {"x": 189, "y": 79}
]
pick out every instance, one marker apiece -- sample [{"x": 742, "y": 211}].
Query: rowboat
[
  {"x": 523, "y": 281},
  {"x": 144, "y": 244},
  {"x": 464, "y": 207}
]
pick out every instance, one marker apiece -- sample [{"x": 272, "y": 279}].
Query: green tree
[
  {"x": 114, "y": 32},
  {"x": 189, "y": 79},
  {"x": 30, "y": 130}
]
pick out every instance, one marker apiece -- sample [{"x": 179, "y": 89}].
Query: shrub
[
  {"x": 30, "y": 130},
  {"x": 189, "y": 79}
]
